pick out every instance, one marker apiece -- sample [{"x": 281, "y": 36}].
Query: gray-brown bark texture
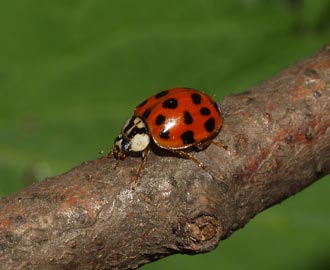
[{"x": 278, "y": 142}]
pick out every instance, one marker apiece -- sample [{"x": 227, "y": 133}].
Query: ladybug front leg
[
  {"x": 144, "y": 156},
  {"x": 110, "y": 155},
  {"x": 190, "y": 156}
]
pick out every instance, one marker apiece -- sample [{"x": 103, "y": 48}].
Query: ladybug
[{"x": 177, "y": 120}]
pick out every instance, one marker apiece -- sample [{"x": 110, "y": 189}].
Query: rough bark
[{"x": 278, "y": 142}]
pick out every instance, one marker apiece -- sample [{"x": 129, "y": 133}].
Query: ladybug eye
[
  {"x": 121, "y": 147},
  {"x": 126, "y": 146}
]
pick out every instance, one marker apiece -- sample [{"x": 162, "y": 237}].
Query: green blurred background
[{"x": 72, "y": 71}]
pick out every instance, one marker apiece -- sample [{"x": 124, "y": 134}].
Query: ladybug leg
[
  {"x": 220, "y": 144},
  {"x": 190, "y": 156},
  {"x": 144, "y": 157},
  {"x": 110, "y": 155},
  {"x": 116, "y": 165}
]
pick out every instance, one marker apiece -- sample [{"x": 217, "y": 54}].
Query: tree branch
[{"x": 278, "y": 139}]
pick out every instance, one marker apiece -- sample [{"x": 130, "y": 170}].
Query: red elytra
[
  {"x": 180, "y": 118},
  {"x": 176, "y": 120}
]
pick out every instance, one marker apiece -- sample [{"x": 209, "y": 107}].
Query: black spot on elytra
[
  {"x": 210, "y": 124},
  {"x": 215, "y": 105},
  {"x": 188, "y": 137},
  {"x": 164, "y": 134},
  {"x": 170, "y": 103},
  {"x": 161, "y": 94},
  {"x": 143, "y": 103},
  {"x": 160, "y": 120},
  {"x": 205, "y": 111},
  {"x": 146, "y": 113},
  {"x": 187, "y": 118},
  {"x": 196, "y": 98}
]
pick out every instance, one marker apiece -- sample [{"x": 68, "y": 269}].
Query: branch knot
[{"x": 199, "y": 234}]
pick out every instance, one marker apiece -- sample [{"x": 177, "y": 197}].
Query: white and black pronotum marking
[{"x": 134, "y": 137}]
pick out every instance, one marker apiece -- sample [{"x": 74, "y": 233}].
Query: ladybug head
[{"x": 134, "y": 137}]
